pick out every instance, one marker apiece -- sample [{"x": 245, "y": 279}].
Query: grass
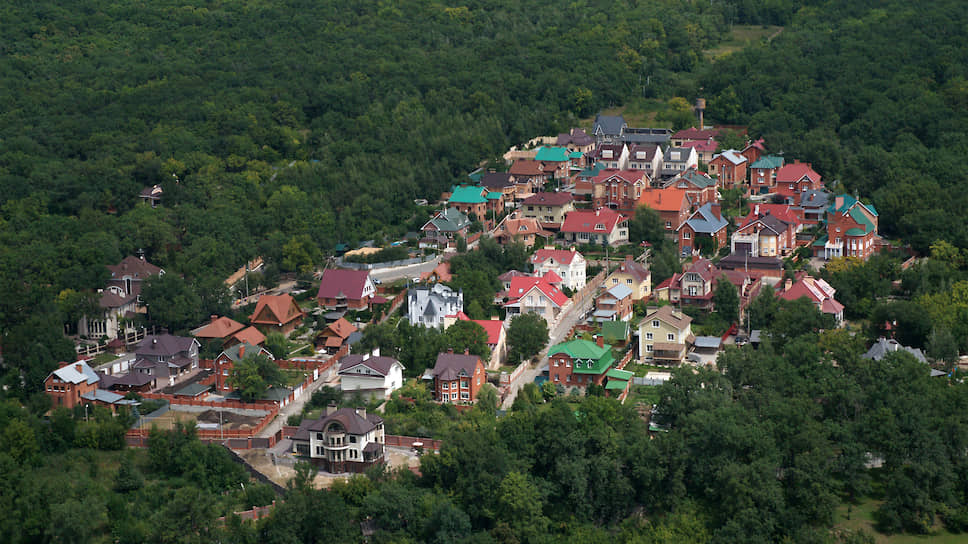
[
  {"x": 102, "y": 358},
  {"x": 645, "y": 394},
  {"x": 641, "y": 370},
  {"x": 294, "y": 377},
  {"x": 862, "y": 518},
  {"x": 742, "y": 36}
]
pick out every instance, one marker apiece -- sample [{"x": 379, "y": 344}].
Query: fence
[
  {"x": 256, "y": 474},
  {"x": 129, "y": 339},
  {"x": 257, "y": 512},
  {"x": 589, "y": 289},
  {"x": 507, "y": 379},
  {"x": 625, "y": 360},
  {"x": 395, "y": 303},
  {"x": 409, "y": 441},
  {"x": 648, "y": 381}
]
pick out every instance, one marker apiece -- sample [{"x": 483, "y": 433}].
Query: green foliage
[
  {"x": 278, "y": 345},
  {"x": 254, "y": 375},
  {"x": 726, "y": 300},
  {"x": 527, "y": 336}
]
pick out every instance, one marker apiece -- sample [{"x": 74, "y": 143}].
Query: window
[
  {"x": 671, "y": 337},
  {"x": 556, "y": 362},
  {"x": 668, "y": 224},
  {"x": 648, "y": 336},
  {"x": 464, "y": 384},
  {"x": 465, "y": 396},
  {"x": 600, "y": 226},
  {"x": 352, "y": 439},
  {"x": 629, "y": 281},
  {"x": 648, "y": 348},
  {"x": 686, "y": 235},
  {"x": 655, "y": 323},
  {"x": 445, "y": 385},
  {"x": 567, "y": 364},
  {"x": 583, "y": 236},
  {"x": 557, "y": 377},
  {"x": 615, "y": 281},
  {"x": 453, "y": 396}
]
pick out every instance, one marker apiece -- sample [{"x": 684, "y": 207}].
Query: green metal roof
[
  {"x": 862, "y": 220},
  {"x": 617, "y": 374},
  {"x": 592, "y": 171},
  {"x": 768, "y": 161},
  {"x": 821, "y": 241},
  {"x": 587, "y": 357},
  {"x": 617, "y": 385},
  {"x": 494, "y": 195},
  {"x": 575, "y": 154},
  {"x": 467, "y": 194},
  {"x": 552, "y": 154}
]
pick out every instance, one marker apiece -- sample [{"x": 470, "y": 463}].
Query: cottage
[
  {"x": 705, "y": 229},
  {"x": 602, "y": 226},
  {"x": 608, "y": 128},
  {"x": 614, "y": 304},
  {"x": 618, "y": 189},
  {"x": 672, "y": 204},
  {"x": 370, "y": 375},
  {"x": 345, "y": 289},
  {"x": 730, "y": 167},
  {"x": 166, "y": 356},
  {"x": 76, "y": 384},
  {"x": 456, "y": 378},
  {"x": 818, "y": 291},
  {"x": 528, "y": 295},
  {"x": 514, "y": 228},
  {"x": 851, "y": 230},
  {"x": 428, "y": 306},
  {"x": 699, "y": 187},
  {"x": 548, "y": 208},
  {"x": 647, "y": 158},
  {"x": 636, "y": 276},
  {"x": 335, "y": 336},
  {"x": 763, "y": 173},
  {"x": 665, "y": 336},
  {"x": 795, "y": 178},
  {"x": 469, "y": 200},
  {"x": 569, "y": 265},
  {"x": 225, "y": 362},
  {"x": 277, "y": 313},
  {"x": 342, "y": 440}
]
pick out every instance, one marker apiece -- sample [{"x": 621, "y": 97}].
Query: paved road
[{"x": 326, "y": 378}]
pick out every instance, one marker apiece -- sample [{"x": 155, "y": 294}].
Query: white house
[
  {"x": 428, "y": 306},
  {"x": 344, "y": 440},
  {"x": 568, "y": 264},
  {"x": 373, "y": 376}
]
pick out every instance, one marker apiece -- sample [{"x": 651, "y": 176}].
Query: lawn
[
  {"x": 742, "y": 36},
  {"x": 644, "y": 394},
  {"x": 102, "y": 358},
  {"x": 294, "y": 377},
  {"x": 862, "y": 517},
  {"x": 641, "y": 370}
]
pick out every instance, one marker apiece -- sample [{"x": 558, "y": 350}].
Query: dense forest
[{"x": 280, "y": 129}]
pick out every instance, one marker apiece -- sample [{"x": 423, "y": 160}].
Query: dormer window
[{"x": 600, "y": 226}]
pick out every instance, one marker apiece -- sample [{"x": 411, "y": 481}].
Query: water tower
[{"x": 700, "y": 109}]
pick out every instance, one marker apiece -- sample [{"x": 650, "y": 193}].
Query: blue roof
[
  {"x": 705, "y": 221},
  {"x": 552, "y": 154}
]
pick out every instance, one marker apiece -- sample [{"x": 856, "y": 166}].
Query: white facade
[
  {"x": 368, "y": 376},
  {"x": 428, "y": 306},
  {"x": 572, "y": 272}
]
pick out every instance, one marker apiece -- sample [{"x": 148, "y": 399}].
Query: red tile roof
[
  {"x": 585, "y": 221},
  {"x": 341, "y": 328},
  {"x": 695, "y": 134},
  {"x": 280, "y": 306},
  {"x": 630, "y": 176},
  {"x": 221, "y": 327},
  {"x": 564, "y": 256},
  {"x": 526, "y": 167},
  {"x": 493, "y": 327},
  {"x": 337, "y": 283},
  {"x": 663, "y": 200},
  {"x": 250, "y": 335},
  {"x": 705, "y": 146},
  {"x": 795, "y": 171},
  {"x": 522, "y": 286}
]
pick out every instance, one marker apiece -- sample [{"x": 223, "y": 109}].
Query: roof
[
  {"x": 705, "y": 146},
  {"x": 815, "y": 289},
  {"x": 467, "y": 194},
  {"x": 643, "y": 152},
  {"x": 620, "y": 291},
  {"x": 576, "y": 136},
  {"x": 341, "y": 328},
  {"x": 378, "y": 364},
  {"x": 700, "y": 180},
  {"x": 511, "y": 274},
  {"x": 108, "y": 397},
  {"x": 237, "y": 352},
  {"x": 552, "y": 154},
  {"x": 548, "y": 199},
  {"x": 693, "y": 133},
  {"x": 628, "y": 176},
  {"x": 521, "y": 286},
  {"x": 250, "y": 335},
  {"x": 609, "y": 125},
  {"x": 883, "y": 346},
  {"x": 739, "y": 261},
  {"x": 496, "y": 180},
  {"x": 348, "y": 418},
  {"x": 526, "y": 167},
  {"x": 783, "y": 212},
  {"x": 109, "y": 299},
  {"x": 221, "y": 327},
  {"x": 130, "y": 379},
  {"x": 193, "y": 390},
  {"x": 69, "y": 373},
  {"x": 588, "y": 221},
  {"x": 563, "y": 256},
  {"x": 768, "y": 161},
  {"x": 667, "y": 314},
  {"x": 814, "y": 198},
  {"x": 619, "y": 374},
  {"x": 668, "y": 199},
  {"x": 281, "y": 306},
  {"x": 795, "y": 172},
  {"x": 513, "y": 225},
  {"x": 732, "y": 156},
  {"x": 133, "y": 267},
  {"x": 449, "y": 220},
  {"x": 340, "y": 283},
  {"x": 705, "y": 221},
  {"x": 164, "y": 345},
  {"x": 450, "y": 366},
  {"x": 615, "y": 331},
  {"x": 770, "y": 222},
  {"x": 708, "y": 342},
  {"x": 551, "y": 277},
  {"x": 493, "y": 327},
  {"x": 638, "y": 271},
  {"x": 598, "y": 358}
]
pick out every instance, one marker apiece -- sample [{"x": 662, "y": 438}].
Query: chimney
[
  {"x": 213, "y": 317},
  {"x": 366, "y": 356},
  {"x": 331, "y": 409},
  {"x": 450, "y": 351},
  {"x": 838, "y": 202},
  {"x": 467, "y": 351},
  {"x": 715, "y": 209},
  {"x": 600, "y": 340},
  {"x": 241, "y": 351},
  {"x": 628, "y": 259},
  {"x": 79, "y": 367},
  {"x": 376, "y": 352},
  {"x": 361, "y": 412},
  {"x": 756, "y": 210}
]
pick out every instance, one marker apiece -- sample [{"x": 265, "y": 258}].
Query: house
[
  {"x": 117, "y": 312},
  {"x": 754, "y": 151},
  {"x": 506, "y": 277},
  {"x": 608, "y": 128},
  {"x": 335, "y": 336},
  {"x": 634, "y": 275},
  {"x": 646, "y": 136},
  {"x": 569, "y": 265},
  {"x": 576, "y": 140},
  {"x": 884, "y": 346},
  {"x": 504, "y": 183},
  {"x": 705, "y": 228},
  {"x": 555, "y": 161},
  {"x": 615, "y": 304},
  {"x": 548, "y": 208},
  {"x": 579, "y": 363},
  {"x": 730, "y": 167},
  {"x": 618, "y": 189},
  {"x": 668, "y": 289},
  {"x": 602, "y": 226},
  {"x": 529, "y": 295},
  {"x": 128, "y": 382},
  {"x": 795, "y": 178},
  {"x": 277, "y": 313},
  {"x": 697, "y": 282},
  {"x": 699, "y": 187},
  {"x": 813, "y": 205},
  {"x": 449, "y": 223},
  {"x": 128, "y": 276},
  {"x": 705, "y": 149},
  {"x": 469, "y": 199},
  {"x": 693, "y": 135},
  {"x": 228, "y": 332},
  {"x": 679, "y": 159},
  {"x": 440, "y": 273},
  {"x": 151, "y": 195},
  {"x": 370, "y": 375},
  {"x": 345, "y": 289},
  {"x": 672, "y": 204},
  {"x": 757, "y": 267},
  {"x": 851, "y": 230},
  {"x": 456, "y": 378},
  {"x": 762, "y": 234},
  {"x": 496, "y": 338},
  {"x": 617, "y": 333},
  {"x": 763, "y": 173},
  {"x": 583, "y": 180},
  {"x": 818, "y": 291},
  {"x": 166, "y": 356},
  {"x": 613, "y": 156},
  {"x": 225, "y": 362},
  {"x": 428, "y": 306},
  {"x": 515, "y": 228},
  {"x": 528, "y": 171},
  {"x": 646, "y": 157},
  {"x": 76, "y": 384},
  {"x": 342, "y": 440},
  {"x": 665, "y": 335}
]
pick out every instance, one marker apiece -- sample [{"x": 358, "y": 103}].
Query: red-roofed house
[
  {"x": 617, "y": 189},
  {"x": 671, "y": 203},
  {"x": 335, "y": 335},
  {"x": 693, "y": 135},
  {"x": 229, "y": 332},
  {"x": 795, "y": 178},
  {"x": 534, "y": 296},
  {"x": 754, "y": 151},
  {"x": 226, "y": 360},
  {"x": 596, "y": 227},
  {"x": 818, "y": 291},
  {"x": 528, "y": 170},
  {"x": 770, "y": 230},
  {"x": 705, "y": 149},
  {"x": 496, "y": 338},
  {"x": 345, "y": 289},
  {"x": 569, "y": 265},
  {"x": 277, "y": 313},
  {"x": 696, "y": 283},
  {"x": 514, "y": 228}
]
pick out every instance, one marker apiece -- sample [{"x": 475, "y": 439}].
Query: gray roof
[
  {"x": 646, "y": 135},
  {"x": 883, "y": 346},
  {"x": 620, "y": 291},
  {"x": 237, "y": 353},
  {"x": 108, "y": 397},
  {"x": 755, "y": 336},
  {"x": 380, "y": 365},
  {"x": 349, "y": 419},
  {"x": 193, "y": 390},
  {"x": 451, "y": 365},
  {"x": 708, "y": 342},
  {"x": 705, "y": 221},
  {"x": 609, "y": 125},
  {"x": 496, "y": 180},
  {"x": 450, "y": 220},
  {"x": 71, "y": 374},
  {"x": 164, "y": 344},
  {"x": 735, "y": 261},
  {"x": 812, "y": 198}
]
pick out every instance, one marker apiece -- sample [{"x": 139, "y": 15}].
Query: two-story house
[
  {"x": 447, "y": 225},
  {"x": 515, "y": 228},
  {"x": 166, "y": 356},
  {"x": 469, "y": 199},
  {"x": 705, "y": 228},
  {"x": 579, "y": 363},
  {"x": 428, "y": 306},
  {"x": 851, "y": 230},
  {"x": 672, "y": 205},
  {"x": 699, "y": 187},
  {"x": 693, "y": 134},
  {"x": 77, "y": 384},
  {"x": 530, "y": 295},
  {"x": 555, "y": 161},
  {"x": 614, "y": 304},
  {"x": 679, "y": 159},
  {"x": 754, "y": 151},
  {"x": 277, "y": 313},
  {"x": 227, "y": 331},
  {"x": 665, "y": 335},
  {"x": 496, "y": 338},
  {"x": 730, "y": 167},
  {"x": 614, "y": 156},
  {"x": 568, "y": 264},
  {"x": 225, "y": 362},
  {"x": 602, "y": 226},
  {"x": 337, "y": 334},
  {"x": 576, "y": 140},
  {"x": 705, "y": 149},
  {"x": 608, "y": 128},
  {"x": 763, "y": 234},
  {"x": 345, "y": 289},
  {"x": 763, "y": 173},
  {"x": 370, "y": 375},
  {"x": 647, "y": 158},
  {"x": 618, "y": 189},
  {"x": 528, "y": 170},
  {"x": 548, "y": 208},
  {"x": 634, "y": 275},
  {"x": 818, "y": 291},
  {"x": 696, "y": 283},
  {"x": 795, "y": 178},
  {"x": 120, "y": 300},
  {"x": 342, "y": 440},
  {"x": 456, "y": 378}
]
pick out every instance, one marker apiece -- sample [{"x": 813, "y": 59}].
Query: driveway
[
  {"x": 326, "y": 378},
  {"x": 408, "y": 271}
]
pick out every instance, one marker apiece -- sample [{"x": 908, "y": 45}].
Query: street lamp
[{"x": 85, "y": 412}]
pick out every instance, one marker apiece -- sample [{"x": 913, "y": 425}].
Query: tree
[
  {"x": 467, "y": 335},
  {"x": 726, "y": 300},
  {"x": 171, "y": 302},
  {"x": 253, "y": 375},
  {"x": 278, "y": 345},
  {"x": 527, "y": 335},
  {"x": 646, "y": 226},
  {"x": 942, "y": 346}
]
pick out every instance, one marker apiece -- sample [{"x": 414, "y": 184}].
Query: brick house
[
  {"x": 579, "y": 363},
  {"x": 229, "y": 332},
  {"x": 851, "y": 230},
  {"x": 456, "y": 377},
  {"x": 754, "y": 151},
  {"x": 614, "y": 304},
  {"x": 277, "y": 313},
  {"x": 672, "y": 204},
  {"x": 618, "y": 189},
  {"x": 705, "y": 223},
  {"x": 602, "y": 226},
  {"x": 763, "y": 173},
  {"x": 225, "y": 362},
  {"x": 66, "y": 385},
  {"x": 730, "y": 167},
  {"x": 528, "y": 170},
  {"x": 795, "y": 178},
  {"x": 693, "y": 134},
  {"x": 555, "y": 161},
  {"x": 345, "y": 289},
  {"x": 765, "y": 234},
  {"x": 699, "y": 187},
  {"x": 818, "y": 291},
  {"x": 342, "y": 440},
  {"x": 469, "y": 199},
  {"x": 548, "y": 208},
  {"x": 514, "y": 228}
]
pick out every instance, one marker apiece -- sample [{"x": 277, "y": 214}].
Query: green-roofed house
[
  {"x": 469, "y": 199},
  {"x": 555, "y": 161},
  {"x": 579, "y": 363},
  {"x": 763, "y": 173},
  {"x": 851, "y": 229}
]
